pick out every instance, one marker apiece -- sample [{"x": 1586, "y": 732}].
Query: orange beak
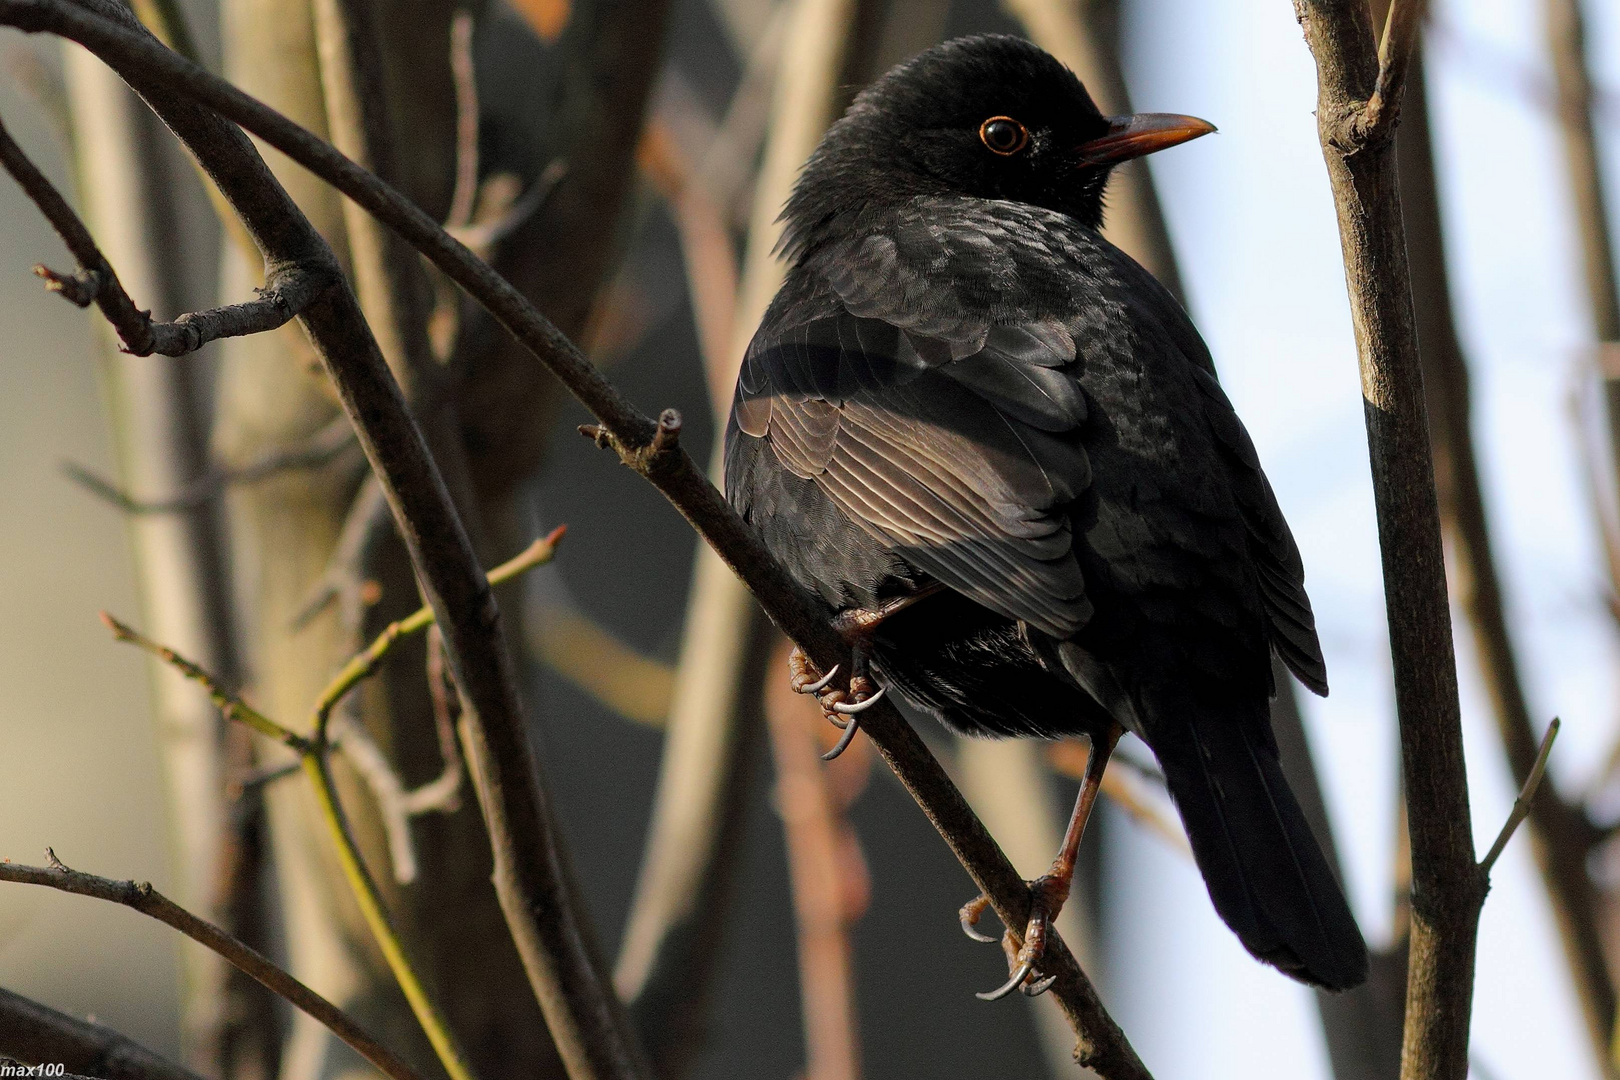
[{"x": 1145, "y": 133}]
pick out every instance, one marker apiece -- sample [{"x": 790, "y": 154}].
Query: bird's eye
[{"x": 1003, "y": 135}]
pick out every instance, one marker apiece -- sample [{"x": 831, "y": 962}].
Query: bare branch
[
  {"x": 1395, "y": 48},
  {"x": 465, "y": 194},
  {"x": 1447, "y": 886},
  {"x": 1521, "y": 805},
  {"x": 284, "y": 295},
  {"x": 1562, "y": 836},
  {"x": 312, "y": 759},
  {"x": 363, "y": 665},
  {"x": 320, "y": 449},
  {"x": 148, "y": 901},
  {"x": 369, "y": 520},
  {"x": 41, "y": 1034},
  {"x": 233, "y": 707},
  {"x": 442, "y": 557}
]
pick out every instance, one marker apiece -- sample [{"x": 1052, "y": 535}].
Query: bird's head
[{"x": 991, "y": 117}]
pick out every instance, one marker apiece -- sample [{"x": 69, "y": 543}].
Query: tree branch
[
  {"x": 312, "y": 759},
  {"x": 513, "y": 801},
  {"x": 1395, "y": 49},
  {"x": 38, "y": 1033},
  {"x": 1562, "y": 836},
  {"x": 531, "y": 876},
  {"x": 94, "y": 282},
  {"x": 1521, "y": 805},
  {"x": 148, "y": 901},
  {"x": 316, "y": 451},
  {"x": 1447, "y": 888}
]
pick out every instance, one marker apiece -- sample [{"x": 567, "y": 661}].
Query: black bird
[{"x": 996, "y": 448}]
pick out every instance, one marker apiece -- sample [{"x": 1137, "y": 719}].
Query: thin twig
[
  {"x": 464, "y": 197},
  {"x": 412, "y": 480},
  {"x": 312, "y": 754},
  {"x": 320, "y": 449},
  {"x": 285, "y": 293},
  {"x": 232, "y": 706},
  {"x": 369, "y": 520},
  {"x": 1521, "y": 805},
  {"x": 365, "y": 663},
  {"x": 396, "y": 805},
  {"x": 148, "y": 901},
  {"x": 1562, "y": 835},
  {"x": 1395, "y": 50}
]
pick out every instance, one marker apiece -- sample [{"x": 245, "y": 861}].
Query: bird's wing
[
  {"x": 952, "y": 443},
  {"x": 1279, "y": 571}
]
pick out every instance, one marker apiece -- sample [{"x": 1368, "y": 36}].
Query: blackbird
[{"x": 997, "y": 449}]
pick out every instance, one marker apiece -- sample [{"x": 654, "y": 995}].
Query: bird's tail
[{"x": 1265, "y": 871}]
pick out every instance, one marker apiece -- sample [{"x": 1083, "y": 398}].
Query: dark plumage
[{"x": 962, "y": 383}]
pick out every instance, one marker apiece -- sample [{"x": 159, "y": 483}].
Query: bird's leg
[
  {"x": 842, "y": 706},
  {"x": 1049, "y": 891}
]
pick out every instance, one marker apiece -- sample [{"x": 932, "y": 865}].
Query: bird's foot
[
  {"x": 841, "y": 706},
  {"x": 1046, "y": 897}
]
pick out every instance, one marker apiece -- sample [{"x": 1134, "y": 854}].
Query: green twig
[
  {"x": 365, "y": 663},
  {"x": 312, "y": 751},
  {"x": 233, "y": 707}
]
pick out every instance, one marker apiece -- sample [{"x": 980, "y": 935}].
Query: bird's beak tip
[{"x": 1145, "y": 133}]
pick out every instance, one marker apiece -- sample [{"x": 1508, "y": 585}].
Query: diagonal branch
[
  {"x": 148, "y": 901},
  {"x": 1522, "y": 804},
  {"x": 284, "y": 295},
  {"x": 514, "y": 801},
  {"x": 532, "y": 879},
  {"x": 319, "y": 449},
  {"x": 39, "y": 1034}
]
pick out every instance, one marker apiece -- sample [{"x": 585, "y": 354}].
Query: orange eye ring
[{"x": 1003, "y": 135}]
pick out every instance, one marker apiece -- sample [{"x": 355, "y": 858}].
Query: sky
[{"x": 1251, "y": 215}]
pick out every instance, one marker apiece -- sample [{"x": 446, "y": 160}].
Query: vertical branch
[
  {"x": 160, "y": 420},
  {"x": 1562, "y": 836},
  {"x": 1447, "y": 887},
  {"x": 1362, "y": 1026}
]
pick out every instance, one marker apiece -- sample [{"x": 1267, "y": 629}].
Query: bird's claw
[
  {"x": 813, "y": 687},
  {"x": 840, "y": 706},
  {"x": 1045, "y": 901},
  {"x": 851, "y": 726},
  {"x": 969, "y": 916},
  {"x": 1036, "y": 989},
  {"x": 1024, "y": 971},
  {"x": 848, "y": 708}
]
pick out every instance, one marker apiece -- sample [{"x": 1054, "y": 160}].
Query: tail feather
[{"x": 1265, "y": 871}]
